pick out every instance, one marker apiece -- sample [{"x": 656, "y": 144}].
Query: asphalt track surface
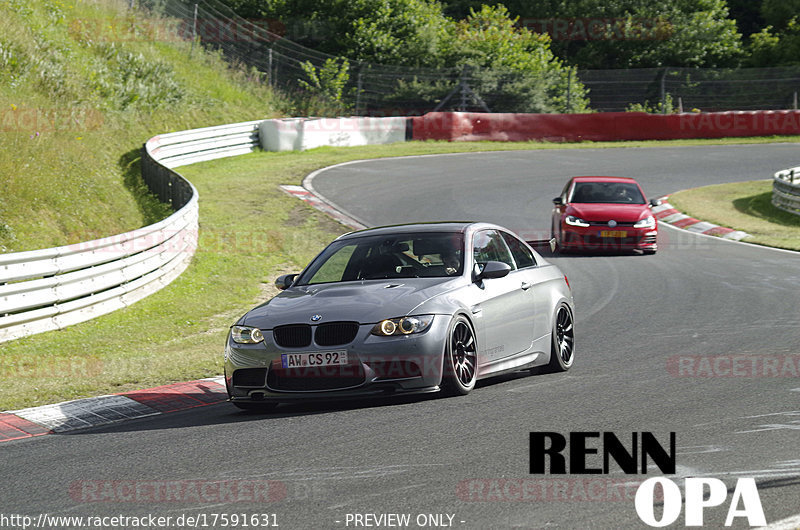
[{"x": 698, "y": 296}]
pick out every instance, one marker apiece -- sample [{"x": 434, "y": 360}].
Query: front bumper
[
  {"x": 377, "y": 366},
  {"x": 591, "y": 238}
]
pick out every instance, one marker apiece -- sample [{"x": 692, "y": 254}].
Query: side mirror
[
  {"x": 655, "y": 202},
  {"x": 558, "y": 201},
  {"x": 492, "y": 269},
  {"x": 285, "y": 281}
]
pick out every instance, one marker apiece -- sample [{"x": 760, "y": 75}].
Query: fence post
[
  {"x": 664, "y": 91},
  {"x": 569, "y": 90},
  {"x": 269, "y": 68},
  {"x": 194, "y": 30},
  {"x": 463, "y": 106},
  {"x": 358, "y": 89}
]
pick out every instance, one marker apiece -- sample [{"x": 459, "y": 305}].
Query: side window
[
  {"x": 488, "y": 245},
  {"x": 519, "y": 251}
]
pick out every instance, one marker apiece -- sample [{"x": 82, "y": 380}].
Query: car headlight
[
  {"x": 575, "y": 221},
  {"x": 648, "y": 222},
  {"x": 402, "y": 326},
  {"x": 246, "y": 335}
]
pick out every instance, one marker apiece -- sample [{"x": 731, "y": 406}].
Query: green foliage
[
  {"x": 512, "y": 64},
  {"x": 771, "y": 48},
  {"x": 129, "y": 79},
  {"x": 660, "y": 107},
  {"x": 636, "y": 33},
  {"x": 404, "y": 32},
  {"x": 327, "y": 82}
]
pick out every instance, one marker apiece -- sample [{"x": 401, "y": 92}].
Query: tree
[
  {"x": 771, "y": 48},
  {"x": 635, "y": 33},
  {"x": 514, "y": 65},
  {"x": 402, "y": 32},
  {"x": 778, "y": 13}
]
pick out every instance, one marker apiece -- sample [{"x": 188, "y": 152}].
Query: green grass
[
  {"x": 745, "y": 206},
  {"x": 76, "y": 104},
  {"x": 250, "y": 232}
]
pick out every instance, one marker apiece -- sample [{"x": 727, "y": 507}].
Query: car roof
[
  {"x": 447, "y": 226},
  {"x": 603, "y": 179}
]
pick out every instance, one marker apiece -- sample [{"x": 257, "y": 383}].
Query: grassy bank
[
  {"x": 250, "y": 232},
  {"x": 82, "y": 85},
  {"x": 745, "y": 206}
]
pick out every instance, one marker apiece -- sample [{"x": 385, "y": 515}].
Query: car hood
[
  {"x": 365, "y": 302},
  {"x": 622, "y": 213}
]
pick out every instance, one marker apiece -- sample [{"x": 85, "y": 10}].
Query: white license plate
[{"x": 304, "y": 360}]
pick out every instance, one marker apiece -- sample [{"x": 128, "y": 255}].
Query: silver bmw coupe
[{"x": 399, "y": 310}]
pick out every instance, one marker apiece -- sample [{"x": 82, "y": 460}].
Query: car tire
[
  {"x": 460, "y": 367},
  {"x": 252, "y": 406},
  {"x": 562, "y": 344},
  {"x": 648, "y": 252},
  {"x": 557, "y": 249}
]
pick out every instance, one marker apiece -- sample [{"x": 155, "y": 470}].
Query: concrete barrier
[{"x": 299, "y": 134}]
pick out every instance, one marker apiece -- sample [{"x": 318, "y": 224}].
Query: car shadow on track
[{"x": 220, "y": 412}]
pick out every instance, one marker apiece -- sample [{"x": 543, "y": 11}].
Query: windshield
[
  {"x": 426, "y": 255},
  {"x": 607, "y": 192}
]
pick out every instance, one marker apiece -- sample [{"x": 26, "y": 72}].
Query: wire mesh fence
[{"x": 368, "y": 89}]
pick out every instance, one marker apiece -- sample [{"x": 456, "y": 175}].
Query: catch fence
[{"x": 380, "y": 90}]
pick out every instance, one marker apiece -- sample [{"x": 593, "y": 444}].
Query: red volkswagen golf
[{"x": 604, "y": 213}]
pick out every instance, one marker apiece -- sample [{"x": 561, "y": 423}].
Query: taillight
[{"x": 566, "y": 280}]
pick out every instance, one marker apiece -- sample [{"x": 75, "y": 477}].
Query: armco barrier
[
  {"x": 606, "y": 126},
  {"x": 786, "y": 190},
  {"x": 48, "y": 289}
]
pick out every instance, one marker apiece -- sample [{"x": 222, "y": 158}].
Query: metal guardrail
[
  {"x": 49, "y": 289},
  {"x": 786, "y": 190}
]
